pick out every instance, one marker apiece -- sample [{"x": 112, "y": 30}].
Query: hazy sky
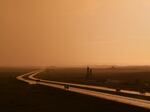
[{"x": 74, "y": 32}]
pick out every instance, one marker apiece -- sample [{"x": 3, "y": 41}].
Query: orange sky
[{"x": 74, "y": 32}]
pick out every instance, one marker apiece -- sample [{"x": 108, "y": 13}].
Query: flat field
[
  {"x": 17, "y": 96},
  {"x": 124, "y": 78}
]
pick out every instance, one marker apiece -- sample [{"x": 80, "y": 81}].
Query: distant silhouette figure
[
  {"x": 88, "y": 73},
  {"x": 113, "y": 67},
  {"x": 88, "y": 69}
]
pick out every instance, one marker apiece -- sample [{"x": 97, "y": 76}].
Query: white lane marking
[{"x": 21, "y": 77}]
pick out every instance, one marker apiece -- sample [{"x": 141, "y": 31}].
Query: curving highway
[{"x": 87, "y": 90}]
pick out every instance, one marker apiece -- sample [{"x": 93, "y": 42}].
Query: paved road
[
  {"x": 89, "y": 87},
  {"x": 85, "y": 89}
]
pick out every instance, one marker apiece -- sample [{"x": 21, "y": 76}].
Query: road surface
[{"x": 85, "y": 89}]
